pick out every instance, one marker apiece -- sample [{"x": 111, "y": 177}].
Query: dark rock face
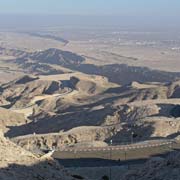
[
  {"x": 176, "y": 93},
  {"x": 53, "y": 87},
  {"x": 25, "y": 79},
  {"x": 74, "y": 81},
  {"x": 175, "y": 112}
]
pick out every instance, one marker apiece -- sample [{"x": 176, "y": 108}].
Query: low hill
[
  {"x": 67, "y": 101},
  {"x": 124, "y": 74},
  {"x": 41, "y": 62},
  {"x": 56, "y": 56},
  {"x": 84, "y": 85}
]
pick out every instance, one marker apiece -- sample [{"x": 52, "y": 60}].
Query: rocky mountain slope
[
  {"x": 21, "y": 91},
  {"x": 142, "y": 101},
  {"x": 114, "y": 113},
  {"x": 124, "y": 74},
  {"x": 157, "y": 168},
  {"x": 55, "y": 56},
  {"x": 90, "y": 136},
  {"x": 9, "y": 119},
  {"x": 19, "y": 164},
  {"x": 41, "y": 62}
]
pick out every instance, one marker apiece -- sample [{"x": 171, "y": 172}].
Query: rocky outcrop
[
  {"x": 81, "y": 136},
  {"x": 157, "y": 168},
  {"x": 84, "y": 86},
  {"x": 20, "y": 92},
  {"x": 25, "y": 79},
  {"x": 19, "y": 164}
]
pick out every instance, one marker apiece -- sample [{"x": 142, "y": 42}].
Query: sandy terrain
[
  {"x": 94, "y": 110},
  {"x": 101, "y": 50},
  {"x": 156, "y": 58},
  {"x": 26, "y": 42}
]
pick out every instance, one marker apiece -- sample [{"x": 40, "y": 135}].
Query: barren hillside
[
  {"x": 157, "y": 168},
  {"x": 16, "y": 163}
]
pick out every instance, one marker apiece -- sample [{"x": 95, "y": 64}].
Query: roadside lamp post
[
  {"x": 111, "y": 142},
  {"x": 110, "y": 174},
  {"x": 28, "y": 145},
  {"x": 132, "y": 136},
  {"x": 125, "y": 155},
  {"x": 75, "y": 154},
  {"x": 125, "y": 159}
]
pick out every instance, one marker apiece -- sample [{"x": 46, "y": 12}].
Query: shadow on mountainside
[
  {"x": 43, "y": 170},
  {"x": 109, "y": 161},
  {"x": 124, "y": 74},
  {"x": 66, "y": 121},
  {"x": 133, "y": 133}
]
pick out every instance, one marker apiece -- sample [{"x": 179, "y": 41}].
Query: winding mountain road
[{"x": 140, "y": 145}]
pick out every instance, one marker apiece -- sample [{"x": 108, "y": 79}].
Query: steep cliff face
[{"x": 18, "y": 164}]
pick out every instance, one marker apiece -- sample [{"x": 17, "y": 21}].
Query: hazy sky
[{"x": 93, "y": 7}]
